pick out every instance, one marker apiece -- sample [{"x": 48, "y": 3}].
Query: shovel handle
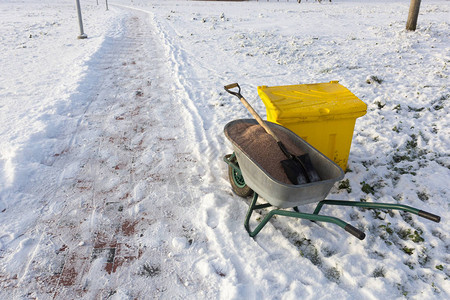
[{"x": 250, "y": 108}]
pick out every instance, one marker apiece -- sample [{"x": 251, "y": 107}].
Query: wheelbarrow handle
[
  {"x": 429, "y": 216},
  {"x": 355, "y": 232}
]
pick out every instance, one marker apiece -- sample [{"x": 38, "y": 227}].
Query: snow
[{"x": 112, "y": 183}]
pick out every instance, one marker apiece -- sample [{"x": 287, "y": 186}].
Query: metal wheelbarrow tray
[{"x": 247, "y": 175}]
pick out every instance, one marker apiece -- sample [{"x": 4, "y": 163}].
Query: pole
[
  {"x": 107, "y": 5},
  {"x": 80, "y": 22},
  {"x": 413, "y": 15}
]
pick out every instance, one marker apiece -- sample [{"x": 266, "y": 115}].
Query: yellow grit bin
[{"x": 323, "y": 114}]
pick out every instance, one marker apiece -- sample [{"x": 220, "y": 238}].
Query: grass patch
[
  {"x": 415, "y": 109},
  {"x": 416, "y": 236},
  {"x": 327, "y": 252},
  {"x": 374, "y": 79},
  {"x": 424, "y": 258},
  {"x": 397, "y": 108},
  {"x": 387, "y": 228},
  {"x": 408, "y": 251},
  {"x": 379, "y": 272},
  {"x": 412, "y": 143},
  {"x": 367, "y": 188},
  {"x": 309, "y": 251},
  {"x": 402, "y": 289},
  {"x": 333, "y": 274},
  {"x": 410, "y": 265},
  {"x": 345, "y": 185},
  {"x": 149, "y": 270},
  {"x": 407, "y": 234},
  {"x": 380, "y": 105},
  {"x": 403, "y": 233},
  {"x": 423, "y": 196}
]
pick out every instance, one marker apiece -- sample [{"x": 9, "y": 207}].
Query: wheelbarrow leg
[
  {"x": 252, "y": 207},
  {"x": 313, "y": 217},
  {"x": 372, "y": 205}
]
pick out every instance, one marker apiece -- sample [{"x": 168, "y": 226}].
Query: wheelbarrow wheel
[{"x": 238, "y": 184}]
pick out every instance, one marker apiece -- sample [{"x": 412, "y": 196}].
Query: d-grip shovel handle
[
  {"x": 232, "y": 86},
  {"x": 250, "y": 109}
]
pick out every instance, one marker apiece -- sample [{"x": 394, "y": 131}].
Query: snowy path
[{"x": 122, "y": 187}]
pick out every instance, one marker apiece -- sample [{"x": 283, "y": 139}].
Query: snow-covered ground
[{"x": 112, "y": 183}]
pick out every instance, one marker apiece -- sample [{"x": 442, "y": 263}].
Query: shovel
[{"x": 298, "y": 168}]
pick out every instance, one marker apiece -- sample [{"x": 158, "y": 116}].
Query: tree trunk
[{"x": 413, "y": 15}]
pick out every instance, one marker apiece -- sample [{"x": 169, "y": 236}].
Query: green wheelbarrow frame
[{"x": 236, "y": 176}]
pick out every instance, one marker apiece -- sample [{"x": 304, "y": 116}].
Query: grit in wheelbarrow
[{"x": 247, "y": 175}]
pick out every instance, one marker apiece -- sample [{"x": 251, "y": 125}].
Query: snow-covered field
[{"x": 112, "y": 183}]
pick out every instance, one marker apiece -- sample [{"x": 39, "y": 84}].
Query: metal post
[
  {"x": 80, "y": 22},
  {"x": 106, "y": 4}
]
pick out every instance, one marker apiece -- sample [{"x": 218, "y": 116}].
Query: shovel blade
[
  {"x": 311, "y": 172},
  {"x": 300, "y": 170},
  {"x": 294, "y": 171}
]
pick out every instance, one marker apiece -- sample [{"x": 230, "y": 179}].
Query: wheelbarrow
[{"x": 248, "y": 178}]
